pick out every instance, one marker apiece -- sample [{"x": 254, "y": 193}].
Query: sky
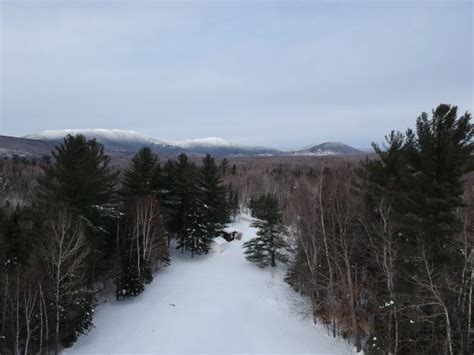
[{"x": 284, "y": 74}]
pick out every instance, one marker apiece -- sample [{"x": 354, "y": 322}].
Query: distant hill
[
  {"x": 329, "y": 148},
  {"x": 22, "y": 147}
]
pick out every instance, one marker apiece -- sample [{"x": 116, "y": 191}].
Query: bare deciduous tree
[{"x": 64, "y": 255}]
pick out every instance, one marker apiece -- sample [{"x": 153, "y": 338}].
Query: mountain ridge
[
  {"x": 128, "y": 142},
  {"x": 131, "y": 141}
]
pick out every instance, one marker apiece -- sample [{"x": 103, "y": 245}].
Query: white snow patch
[
  {"x": 215, "y": 303},
  {"x": 203, "y": 142},
  {"x": 219, "y": 244},
  {"x": 98, "y": 133}
]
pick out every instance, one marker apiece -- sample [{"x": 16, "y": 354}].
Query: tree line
[{"x": 88, "y": 223}]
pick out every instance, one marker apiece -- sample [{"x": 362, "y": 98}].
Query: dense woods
[{"x": 381, "y": 248}]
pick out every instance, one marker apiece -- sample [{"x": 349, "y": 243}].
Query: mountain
[
  {"x": 129, "y": 141},
  {"x": 113, "y": 140},
  {"x": 22, "y": 147},
  {"x": 123, "y": 143},
  {"x": 329, "y": 148},
  {"x": 219, "y": 147}
]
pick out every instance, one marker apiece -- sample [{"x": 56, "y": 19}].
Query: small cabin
[
  {"x": 229, "y": 236},
  {"x": 219, "y": 244}
]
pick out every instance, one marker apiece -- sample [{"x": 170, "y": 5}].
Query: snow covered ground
[{"x": 217, "y": 303}]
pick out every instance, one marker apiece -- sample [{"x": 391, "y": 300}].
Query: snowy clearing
[{"x": 217, "y": 303}]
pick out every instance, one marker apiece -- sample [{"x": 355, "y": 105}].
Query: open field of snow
[{"x": 219, "y": 303}]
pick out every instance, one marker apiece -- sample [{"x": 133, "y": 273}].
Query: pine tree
[
  {"x": 81, "y": 179},
  {"x": 439, "y": 154},
  {"x": 213, "y": 195},
  {"x": 143, "y": 241},
  {"x": 142, "y": 177},
  {"x": 419, "y": 176},
  {"x": 266, "y": 249},
  {"x": 183, "y": 194}
]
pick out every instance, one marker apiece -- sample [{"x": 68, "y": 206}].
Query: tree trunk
[
  {"x": 40, "y": 348},
  {"x": 448, "y": 331},
  {"x": 5, "y": 297},
  {"x": 56, "y": 332},
  {"x": 469, "y": 313},
  {"x": 17, "y": 334},
  {"x": 326, "y": 248},
  {"x": 352, "y": 307}
]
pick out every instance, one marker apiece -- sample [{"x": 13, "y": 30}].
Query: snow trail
[{"x": 216, "y": 303}]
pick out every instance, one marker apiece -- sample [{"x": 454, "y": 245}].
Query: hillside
[
  {"x": 24, "y": 147},
  {"x": 329, "y": 148}
]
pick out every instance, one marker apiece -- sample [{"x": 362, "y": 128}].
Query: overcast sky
[{"x": 284, "y": 74}]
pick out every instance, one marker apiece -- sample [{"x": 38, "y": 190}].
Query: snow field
[{"x": 216, "y": 304}]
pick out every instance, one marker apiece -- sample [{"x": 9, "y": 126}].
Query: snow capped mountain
[
  {"x": 122, "y": 141},
  {"x": 112, "y": 139},
  {"x": 130, "y": 141},
  {"x": 99, "y": 133},
  {"x": 329, "y": 148}
]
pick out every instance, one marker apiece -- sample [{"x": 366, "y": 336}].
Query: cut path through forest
[{"x": 216, "y": 303}]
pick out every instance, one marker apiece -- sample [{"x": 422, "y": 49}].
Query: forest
[{"x": 380, "y": 247}]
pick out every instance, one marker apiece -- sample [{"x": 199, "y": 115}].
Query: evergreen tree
[
  {"x": 142, "y": 177},
  {"x": 266, "y": 249},
  {"x": 130, "y": 282},
  {"x": 224, "y": 166},
  {"x": 198, "y": 236},
  {"x": 81, "y": 179},
  {"x": 213, "y": 196},
  {"x": 439, "y": 154},
  {"x": 183, "y": 191},
  {"x": 233, "y": 201},
  {"x": 169, "y": 197},
  {"x": 420, "y": 177},
  {"x": 141, "y": 187},
  {"x": 15, "y": 246}
]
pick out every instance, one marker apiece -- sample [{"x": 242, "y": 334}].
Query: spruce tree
[
  {"x": 198, "y": 238},
  {"x": 266, "y": 249}
]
